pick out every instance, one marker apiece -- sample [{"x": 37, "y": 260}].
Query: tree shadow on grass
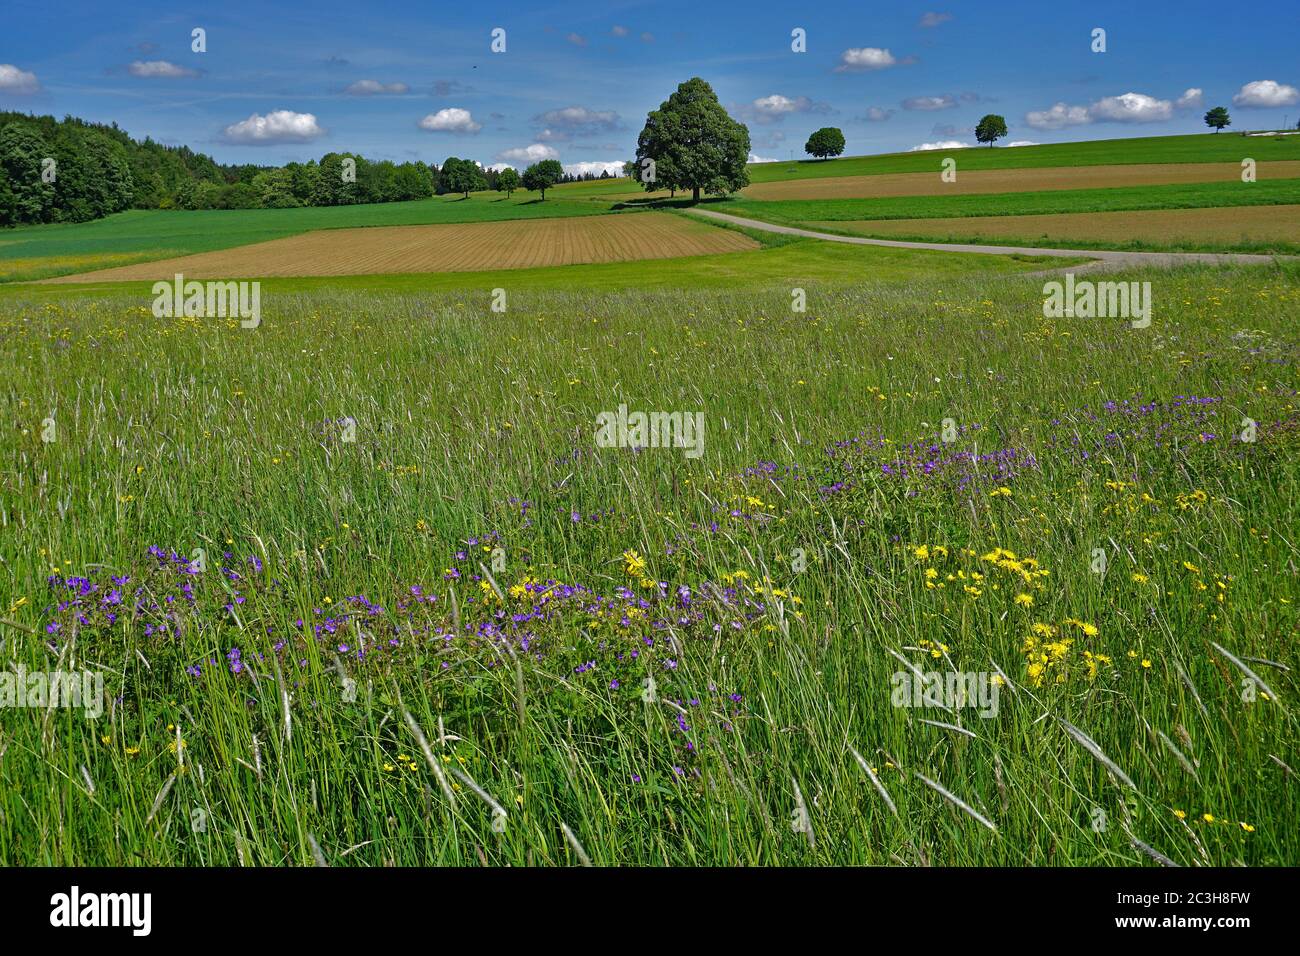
[{"x": 679, "y": 202}]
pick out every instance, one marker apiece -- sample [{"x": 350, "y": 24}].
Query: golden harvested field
[
  {"x": 1259, "y": 223},
  {"x": 1011, "y": 180},
  {"x": 467, "y": 247}
]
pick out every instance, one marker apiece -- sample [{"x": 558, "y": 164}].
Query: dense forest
[{"x": 70, "y": 170}]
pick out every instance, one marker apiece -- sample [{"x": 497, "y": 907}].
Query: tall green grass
[{"x": 471, "y": 424}]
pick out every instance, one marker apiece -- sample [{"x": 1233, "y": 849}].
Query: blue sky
[{"x": 419, "y": 81}]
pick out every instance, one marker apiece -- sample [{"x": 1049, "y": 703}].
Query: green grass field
[
  {"x": 37, "y": 252},
  {"x": 347, "y": 671},
  {"x": 1197, "y": 148},
  {"x": 364, "y": 588},
  {"x": 786, "y": 262},
  {"x": 1178, "y": 196}
]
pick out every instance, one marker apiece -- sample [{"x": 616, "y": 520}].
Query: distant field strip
[
  {"x": 1011, "y": 180},
  {"x": 447, "y": 248},
  {"x": 141, "y": 235},
  {"x": 1157, "y": 226},
  {"x": 1048, "y": 202}
]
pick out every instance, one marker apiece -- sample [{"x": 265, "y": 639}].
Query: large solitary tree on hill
[
  {"x": 991, "y": 128},
  {"x": 827, "y": 141},
  {"x": 694, "y": 144},
  {"x": 1218, "y": 118}
]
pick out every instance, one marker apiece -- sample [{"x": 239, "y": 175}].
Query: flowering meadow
[{"x": 364, "y": 590}]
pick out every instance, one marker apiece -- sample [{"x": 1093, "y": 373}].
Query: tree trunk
[{"x": 695, "y": 196}]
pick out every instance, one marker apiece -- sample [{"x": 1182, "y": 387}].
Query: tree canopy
[
  {"x": 693, "y": 144},
  {"x": 991, "y": 128},
  {"x": 1218, "y": 118},
  {"x": 543, "y": 175},
  {"x": 507, "y": 181},
  {"x": 825, "y": 142}
]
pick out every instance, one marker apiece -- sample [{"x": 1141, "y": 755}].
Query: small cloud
[
  {"x": 647, "y": 38},
  {"x": 943, "y": 129},
  {"x": 930, "y": 20},
  {"x": 450, "y": 120},
  {"x": 375, "y": 88},
  {"x": 553, "y": 136},
  {"x": 1192, "y": 99},
  {"x": 755, "y": 158},
  {"x": 1261, "y": 93},
  {"x": 579, "y": 120},
  {"x": 944, "y": 144},
  {"x": 496, "y": 116},
  {"x": 159, "y": 69},
  {"x": 336, "y": 63},
  {"x": 1058, "y": 116},
  {"x": 528, "y": 154},
  {"x": 865, "y": 58},
  {"x": 619, "y": 31},
  {"x": 278, "y": 126},
  {"x": 1022, "y": 142},
  {"x": 497, "y": 167},
  {"x": 1131, "y": 108},
  {"x": 144, "y": 48},
  {"x": 875, "y": 114},
  {"x": 614, "y": 168},
  {"x": 14, "y": 80},
  {"x": 929, "y": 103},
  {"x": 771, "y": 109},
  {"x": 576, "y": 39}
]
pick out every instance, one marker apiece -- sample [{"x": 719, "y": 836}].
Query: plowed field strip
[
  {"x": 1239, "y": 223},
  {"x": 465, "y": 247}
]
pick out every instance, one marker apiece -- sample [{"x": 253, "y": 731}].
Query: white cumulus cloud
[
  {"x": 450, "y": 120},
  {"x": 1192, "y": 99},
  {"x": 771, "y": 109},
  {"x": 942, "y": 144},
  {"x": 159, "y": 69},
  {"x": 1125, "y": 108},
  {"x": 278, "y": 126},
  {"x": 14, "y": 80},
  {"x": 865, "y": 58},
  {"x": 1023, "y": 142},
  {"x": 1256, "y": 93},
  {"x": 875, "y": 114},
  {"x": 375, "y": 88},
  {"x": 1131, "y": 108},
  {"x": 527, "y": 155},
  {"x": 755, "y": 158}
]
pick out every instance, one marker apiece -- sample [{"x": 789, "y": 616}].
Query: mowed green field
[
  {"x": 364, "y": 589},
  {"x": 1196, "y": 148},
  {"x": 1179, "y": 196}
]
